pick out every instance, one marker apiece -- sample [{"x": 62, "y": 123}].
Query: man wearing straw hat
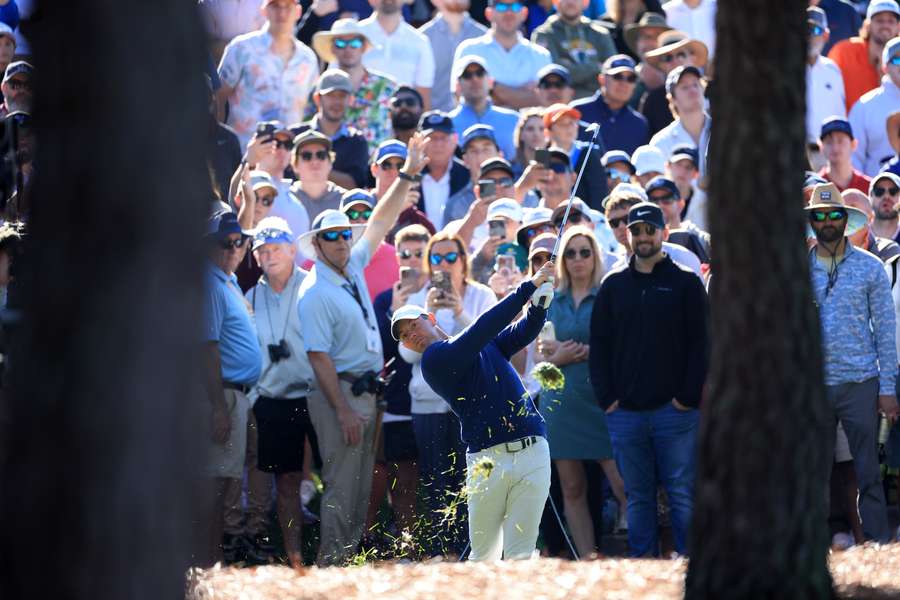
[
  {"x": 675, "y": 50},
  {"x": 343, "y": 344},
  {"x": 853, "y": 296},
  {"x": 344, "y": 46}
]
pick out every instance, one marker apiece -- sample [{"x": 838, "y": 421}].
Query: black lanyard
[{"x": 352, "y": 289}]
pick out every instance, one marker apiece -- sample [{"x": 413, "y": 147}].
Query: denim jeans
[
  {"x": 442, "y": 471},
  {"x": 655, "y": 447}
]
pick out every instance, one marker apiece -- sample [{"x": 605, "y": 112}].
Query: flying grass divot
[{"x": 548, "y": 376}]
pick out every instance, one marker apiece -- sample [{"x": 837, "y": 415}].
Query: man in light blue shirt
[
  {"x": 512, "y": 59},
  {"x": 472, "y": 82},
  {"x": 343, "y": 344},
  {"x": 853, "y": 295},
  {"x": 234, "y": 361}
]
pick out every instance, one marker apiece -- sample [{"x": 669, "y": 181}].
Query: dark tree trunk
[
  {"x": 102, "y": 444},
  {"x": 759, "y": 526}
]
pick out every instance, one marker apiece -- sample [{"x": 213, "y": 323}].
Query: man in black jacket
[{"x": 648, "y": 362}]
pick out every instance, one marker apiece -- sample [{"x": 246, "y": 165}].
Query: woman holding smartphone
[
  {"x": 576, "y": 425},
  {"x": 455, "y": 301}
]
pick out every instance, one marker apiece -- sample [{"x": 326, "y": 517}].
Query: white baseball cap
[
  {"x": 880, "y": 6},
  {"x": 505, "y": 207},
  {"x": 648, "y": 159},
  {"x": 404, "y": 313}
]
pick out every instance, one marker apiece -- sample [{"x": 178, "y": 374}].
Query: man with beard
[
  {"x": 648, "y": 359},
  {"x": 17, "y": 88},
  {"x": 887, "y": 250},
  {"x": 884, "y": 193},
  {"x": 853, "y": 296},
  {"x": 860, "y": 57},
  {"x": 824, "y": 84},
  {"x": 406, "y": 110},
  {"x": 451, "y": 26},
  {"x": 398, "y": 50},
  {"x": 577, "y": 43},
  {"x": 512, "y": 59}
]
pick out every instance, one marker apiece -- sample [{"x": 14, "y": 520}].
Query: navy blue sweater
[{"x": 471, "y": 372}]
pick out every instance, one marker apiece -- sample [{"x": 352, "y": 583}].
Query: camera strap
[{"x": 287, "y": 319}]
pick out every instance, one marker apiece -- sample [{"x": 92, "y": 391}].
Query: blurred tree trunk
[
  {"x": 759, "y": 528},
  {"x": 102, "y": 452}
]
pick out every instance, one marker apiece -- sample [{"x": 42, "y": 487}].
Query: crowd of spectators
[{"x": 367, "y": 155}]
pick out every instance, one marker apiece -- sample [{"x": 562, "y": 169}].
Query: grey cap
[{"x": 334, "y": 80}]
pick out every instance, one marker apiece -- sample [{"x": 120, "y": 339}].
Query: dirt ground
[{"x": 864, "y": 572}]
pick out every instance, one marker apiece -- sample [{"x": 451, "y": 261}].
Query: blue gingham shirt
[{"x": 857, "y": 318}]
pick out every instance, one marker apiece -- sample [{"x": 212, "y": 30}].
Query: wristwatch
[{"x": 408, "y": 177}]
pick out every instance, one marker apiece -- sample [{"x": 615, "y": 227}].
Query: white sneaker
[{"x": 307, "y": 491}]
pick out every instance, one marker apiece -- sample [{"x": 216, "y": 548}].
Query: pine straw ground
[{"x": 864, "y": 572}]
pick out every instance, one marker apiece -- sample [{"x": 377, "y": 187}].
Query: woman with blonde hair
[
  {"x": 528, "y": 135},
  {"x": 576, "y": 425}
]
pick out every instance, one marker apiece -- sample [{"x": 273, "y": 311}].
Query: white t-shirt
[
  {"x": 405, "y": 54},
  {"x": 699, "y": 23},
  {"x": 477, "y": 299},
  {"x": 824, "y": 95}
]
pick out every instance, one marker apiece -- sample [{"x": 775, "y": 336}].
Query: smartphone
[
  {"x": 506, "y": 261},
  {"x": 497, "y": 229},
  {"x": 409, "y": 277},
  {"x": 441, "y": 281},
  {"x": 542, "y": 157},
  {"x": 487, "y": 188}
]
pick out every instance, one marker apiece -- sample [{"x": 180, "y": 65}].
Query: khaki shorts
[{"x": 227, "y": 460}]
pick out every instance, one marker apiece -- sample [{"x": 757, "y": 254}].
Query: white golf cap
[
  {"x": 405, "y": 313},
  {"x": 648, "y": 159},
  {"x": 505, "y": 207}
]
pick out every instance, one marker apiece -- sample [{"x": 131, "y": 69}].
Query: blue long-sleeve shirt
[
  {"x": 623, "y": 129},
  {"x": 472, "y": 373},
  {"x": 857, "y": 318}
]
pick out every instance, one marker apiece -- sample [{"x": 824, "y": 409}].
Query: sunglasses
[
  {"x": 389, "y": 165},
  {"x": 614, "y": 223},
  {"x": 502, "y": 7},
  {"x": 614, "y": 174},
  {"x": 663, "y": 199},
  {"x": 630, "y": 78},
  {"x": 574, "y": 218},
  {"x": 538, "y": 260},
  {"x": 450, "y": 257},
  {"x": 409, "y": 101},
  {"x": 554, "y": 84},
  {"x": 354, "y": 43},
  {"x": 318, "y": 155},
  {"x": 17, "y": 84},
  {"x": 816, "y": 30},
  {"x": 819, "y": 216},
  {"x": 670, "y": 57},
  {"x": 332, "y": 236},
  {"x": 409, "y": 254},
  {"x": 638, "y": 228},
  {"x": 895, "y": 60},
  {"x": 502, "y": 182},
  {"x": 233, "y": 244},
  {"x": 533, "y": 231},
  {"x": 286, "y": 144},
  {"x": 559, "y": 167},
  {"x": 266, "y": 200},
  {"x": 356, "y": 214},
  {"x": 467, "y": 75},
  {"x": 881, "y": 191},
  {"x": 582, "y": 253}
]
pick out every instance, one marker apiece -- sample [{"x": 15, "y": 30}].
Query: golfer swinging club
[{"x": 508, "y": 459}]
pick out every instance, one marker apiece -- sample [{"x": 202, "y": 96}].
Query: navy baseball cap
[
  {"x": 435, "y": 120},
  {"x": 476, "y": 132},
  {"x": 835, "y": 123},
  {"x": 817, "y": 16},
  {"x": 662, "y": 183},
  {"x": 222, "y": 224},
  {"x": 555, "y": 69},
  {"x": 356, "y": 196},
  {"x": 685, "y": 151},
  {"x": 645, "y": 212},
  {"x": 408, "y": 89},
  {"x": 19, "y": 67},
  {"x": 677, "y": 73},
  {"x": 496, "y": 164},
  {"x": 618, "y": 63},
  {"x": 614, "y": 156},
  {"x": 389, "y": 148}
]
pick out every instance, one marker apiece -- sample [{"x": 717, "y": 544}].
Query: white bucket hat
[{"x": 325, "y": 220}]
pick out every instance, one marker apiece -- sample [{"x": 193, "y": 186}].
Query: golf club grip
[{"x": 543, "y": 295}]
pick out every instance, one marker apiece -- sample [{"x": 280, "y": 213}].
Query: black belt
[
  {"x": 238, "y": 387},
  {"x": 521, "y": 443},
  {"x": 348, "y": 377}
]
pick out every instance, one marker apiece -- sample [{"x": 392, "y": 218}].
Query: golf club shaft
[{"x": 587, "y": 157}]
